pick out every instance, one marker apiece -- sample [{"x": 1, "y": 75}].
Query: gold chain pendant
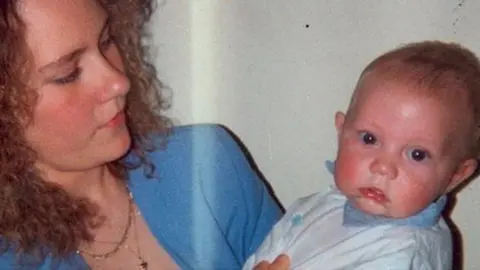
[{"x": 143, "y": 265}]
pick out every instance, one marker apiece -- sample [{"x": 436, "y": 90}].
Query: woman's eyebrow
[
  {"x": 63, "y": 60},
  {"x": 75, "y": 54}
]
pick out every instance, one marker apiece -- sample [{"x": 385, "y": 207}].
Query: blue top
[{"x": 206, "y": 206}]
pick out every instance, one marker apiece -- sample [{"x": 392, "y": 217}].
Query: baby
[{"x": 409, "y": 137}]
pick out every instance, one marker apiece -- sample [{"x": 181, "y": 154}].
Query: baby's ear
[
  {"x": 463, "y": 172},
  {"x": 339, "y": 121}
]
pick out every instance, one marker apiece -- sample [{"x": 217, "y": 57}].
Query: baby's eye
[
  {"x": 368, "y": 138},
  {"x": 418, "y": 154}
]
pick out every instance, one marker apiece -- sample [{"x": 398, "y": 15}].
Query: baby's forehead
[
  {"x": 388, "y": 96},
  {"x": 453, "y": 97}
]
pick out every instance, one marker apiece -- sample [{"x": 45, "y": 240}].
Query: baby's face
[{"x": 397, "y": 151}]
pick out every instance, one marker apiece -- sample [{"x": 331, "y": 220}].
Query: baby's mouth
[{"x": 374, "y": 194}]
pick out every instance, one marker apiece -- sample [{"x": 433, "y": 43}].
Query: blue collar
[{"x": 426, "y": 218}]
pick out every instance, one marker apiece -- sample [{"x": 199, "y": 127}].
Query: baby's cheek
[
  {"x": 347, "y": 174},
  {"x": 412, "y": 198},
  {"x": 349, "y": 166}
]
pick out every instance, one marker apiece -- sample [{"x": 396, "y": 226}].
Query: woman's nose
[{"x": 115, "y": 83}]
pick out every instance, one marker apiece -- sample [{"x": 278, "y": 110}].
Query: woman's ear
[
  {"x": 339, "y": 121},
  {"x": 463, "y": 172}
]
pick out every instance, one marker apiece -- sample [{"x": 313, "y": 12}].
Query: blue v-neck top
[{"x": 205, "y": 204}]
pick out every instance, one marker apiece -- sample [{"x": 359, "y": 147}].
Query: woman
[{"x": 90, "y": 175}]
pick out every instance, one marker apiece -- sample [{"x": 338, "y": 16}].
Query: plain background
[{"x": 276, "y": 71}]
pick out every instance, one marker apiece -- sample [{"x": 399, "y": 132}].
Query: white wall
[{"x": 254, "y": 66}]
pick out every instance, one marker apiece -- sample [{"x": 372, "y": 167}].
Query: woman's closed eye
[{"x": 70, "y": 78}]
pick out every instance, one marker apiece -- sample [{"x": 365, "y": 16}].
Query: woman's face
[{"x": 78, "y": 73}]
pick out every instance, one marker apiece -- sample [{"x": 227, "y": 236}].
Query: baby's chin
[{"x": 372, "y": 207}]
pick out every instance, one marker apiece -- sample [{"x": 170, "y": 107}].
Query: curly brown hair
[{"x": 37, "y": 216}]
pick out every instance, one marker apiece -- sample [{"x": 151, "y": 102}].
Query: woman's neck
[{"x": 98, "y": 185}]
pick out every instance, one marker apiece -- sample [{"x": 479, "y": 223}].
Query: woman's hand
[{"x": 282, "y": 262}]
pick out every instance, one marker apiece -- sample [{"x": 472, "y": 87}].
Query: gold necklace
[
  {"x": 119, "y": 244},
  {"x": 131, "y": 219},
  {"x": 143, "y": 264}
]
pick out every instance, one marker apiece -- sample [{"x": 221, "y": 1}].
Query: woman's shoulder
[
  {"x": 201, "y": 162},
  {"x": 201, "y": 130},
  {"x": 190, "y": 153},
  {"x": 196, "y": 137},
  {"x": 195, "y": 145}
]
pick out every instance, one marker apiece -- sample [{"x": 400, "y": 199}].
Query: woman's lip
[
  {"x": 119, "y": 119},
  {"x": 374, "y": 194}
]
